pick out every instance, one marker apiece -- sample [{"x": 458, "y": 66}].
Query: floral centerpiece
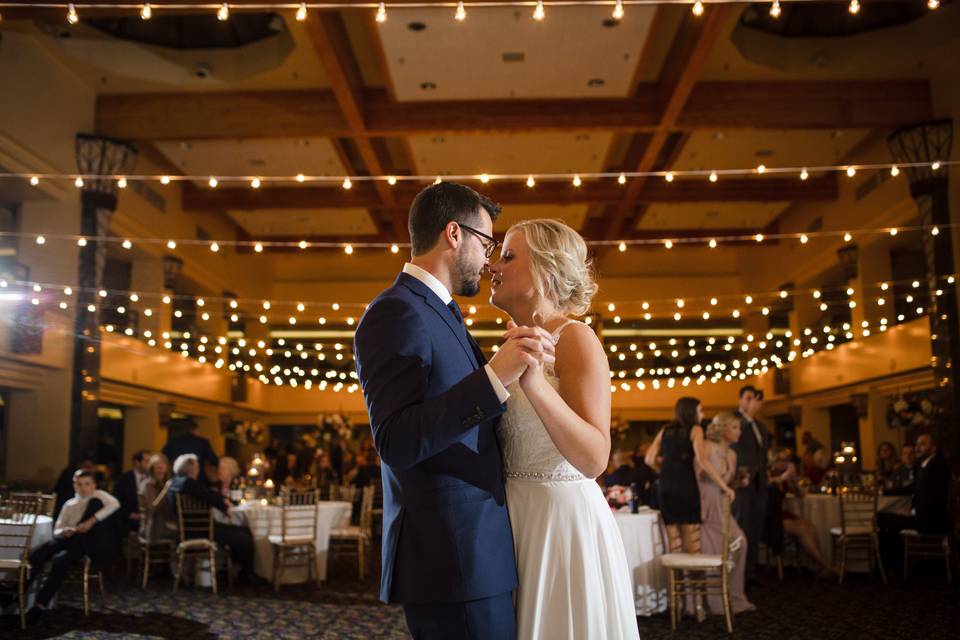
[
  {"x": 914, "y": 411},
  {"x": 618, "y": 497}
]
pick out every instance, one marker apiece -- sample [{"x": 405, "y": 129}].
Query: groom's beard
[{"x": 468, "y": 279}]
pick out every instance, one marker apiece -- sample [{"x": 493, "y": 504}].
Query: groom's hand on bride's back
[{"x": 508, "y": 363}]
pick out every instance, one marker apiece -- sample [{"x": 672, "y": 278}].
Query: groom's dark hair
[{"x": 438, "y": 205}]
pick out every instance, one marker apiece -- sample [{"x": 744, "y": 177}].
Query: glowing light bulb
[
  {"x": 213, "y": 182},
  {"x": 531, "y": 182},
  {"x": 775, "y": 9},
  {"x": 847, "y": 237},
  {"x": 668, "y": 177},
  {"x": 933, "y": 4},
  {"x": 72, "y": 16},
  {"x": 78, "y": 183},
  {"x": 347, "y": 184},
  {"x": 82, "y": 242},
  {"x": 41, "y": 240},
  {"x": 214, "y": 247},
  {"x": 171, "y": 244},
  {"x": 622, "y": 179},
  {"x": 935, "y": 165},
  {"x": 697, "y": 8},
  {"x": 258, "y": 248},
  {"x": 146, "y": 12},
  {"x": 165, "y": 180},
  {"x": 394, "y": 249},
  {"x": 804, "y": 174},
  {"x": 854, "y": 7},
  {"x": 126, "y": 244},
  {"x": 713, "y": 243},
  {"x": 301, "y": 177},
  {"x": 713, "y": 176},
  {"x": 302, "y": 12},
  {"x": 484, "y": 178},
  {"x": 382, "y": 13},
  {"x": 391, "y": 180},
  {"x": 577, "y": 181},
  {"x": 762, "y": 169},
  {"x": 538, "y": 12},
  {"x": 935, "y": 231},
  {"x": 894, "y": 171},
  {"x": 223, "y": 13},
  {"x": 348, "y": 249},
  {"x": 622, "y": 246},
  {"x": 618, "y": 10},
  {"x": 302, "y": 244},
  {"x": 461, "y": 13},
  {"x": 893, "y": 231},
  {"x": 668, "y": 244},
  {"x": 34, "y": 181},
  {"x": 758, "y": 237},
  {"x": 851, "y": 171},
  {"x": 804, "y": 239}
]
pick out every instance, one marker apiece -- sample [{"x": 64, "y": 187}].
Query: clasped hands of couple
[{"x": 522, "y": 355}]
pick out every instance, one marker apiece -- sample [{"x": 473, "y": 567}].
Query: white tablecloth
[
  {"x": 42, "y": 532},
  {"x": 643, "y": 542},
  {"x": 265, "y": 520},
  {"x": 824, "y": 512}
]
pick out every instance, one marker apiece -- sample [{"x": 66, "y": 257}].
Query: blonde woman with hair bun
[
  {"x": 555, "y": 436},
  {"x": 723, "y": 431}
]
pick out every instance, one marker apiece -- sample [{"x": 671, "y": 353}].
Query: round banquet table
[
  {"x": 42, "y": 532},
  {"x": 823, "y": 511},
  {"x": 643, "y": 542},
  {"x": 265, "y": 520}
]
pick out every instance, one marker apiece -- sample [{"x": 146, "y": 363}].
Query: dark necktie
[{"x": 455, "y": 309}]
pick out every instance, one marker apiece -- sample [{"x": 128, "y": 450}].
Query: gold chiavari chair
[
  {"x": 82, "y": 576},
  {"x": 151, "y": 551},
  {"x": 357, "y": 536},
  {"x": 925, "y": 545},
  {"x": 18, "y": 519},
  {"x": 343, "y": 493},
  {"x": 858, "y": 526},
  {"x": 195, "y": 523},
  {"x": 295, "y": 546},
  {"x": 46, "y": 502},
  {"x": 700, "y": 575}
]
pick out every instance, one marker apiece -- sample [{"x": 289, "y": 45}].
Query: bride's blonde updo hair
[
  {"x": 721, "y": 423},
  {"x": 561, "y": 270}
]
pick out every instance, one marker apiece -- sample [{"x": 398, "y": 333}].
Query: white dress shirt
[
  {"x": 142, "y": 480},
  {"x": 755, "y": 428},
  {"x": 73, "y": 510},
  {"x": 441, "y": 291}
]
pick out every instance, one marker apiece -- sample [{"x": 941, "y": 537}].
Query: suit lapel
[{"x": 441, "y": 309}]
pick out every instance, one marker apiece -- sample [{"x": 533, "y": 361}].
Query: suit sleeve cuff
[{"x": 498, "y": 388}]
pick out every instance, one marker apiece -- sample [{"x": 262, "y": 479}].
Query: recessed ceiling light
[
  {"x": 428, "y": 86},
  {"x": 416, "y": 26}
]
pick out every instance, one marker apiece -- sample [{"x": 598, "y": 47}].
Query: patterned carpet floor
[{"x": 800, "y": 607}]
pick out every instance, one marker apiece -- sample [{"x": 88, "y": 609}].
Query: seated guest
[
  {"x": 228, "y": 470},
  {"x": 64, "y": 486},
  {"x": 160, "y": 521},
  {"x": 886, "y": 464},
  {"x": 904, "y": 476},
  {"x": 190, "y": 442},
  {"x": 186, "y": 469},
  {"x": 930, "y": 510},
  {"x": 367, "y": 471},
  {"x": 83, "y": 528},
  {"x": 815, "y": 459},
  {"x": 323, "y": 470},
  {"x": 622, "y": 473},
  {"x": 128, "y": 487},
  {"x": 783, "y": 475}
]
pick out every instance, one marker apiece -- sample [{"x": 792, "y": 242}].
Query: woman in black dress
[{"x": 680, "y": 443}]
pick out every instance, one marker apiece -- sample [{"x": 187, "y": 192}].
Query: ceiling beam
[
  {"x": 328, "y": 35},
  {"x": 363, "y": 194},
  {"x": 688, "y": 53},
  {"x": 708, "y": 105}
]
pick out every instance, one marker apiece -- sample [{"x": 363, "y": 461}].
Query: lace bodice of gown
[{"x": 528, "y": 451}]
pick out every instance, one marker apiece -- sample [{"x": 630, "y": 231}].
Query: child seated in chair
[{"x": 83, "y": 528}]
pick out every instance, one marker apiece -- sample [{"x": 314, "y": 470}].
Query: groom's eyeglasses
[{"x": 489, "y": 243}]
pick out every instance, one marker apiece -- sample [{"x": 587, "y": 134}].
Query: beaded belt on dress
[{"x": 540, "y": 475}]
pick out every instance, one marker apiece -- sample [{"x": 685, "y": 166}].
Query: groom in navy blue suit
[{"x": 434, "y": 402}]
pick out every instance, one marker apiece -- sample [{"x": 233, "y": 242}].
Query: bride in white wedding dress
[{"x": 555, "y": 434}]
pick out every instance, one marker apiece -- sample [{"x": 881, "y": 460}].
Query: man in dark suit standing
[
  {"x": 434, "y": 402},
  {"x": 128, "y": 487},
  {"x": 930, "y": 509},
  {"x": 753, "y": 482},
  {"x": 190, "y": 442}
]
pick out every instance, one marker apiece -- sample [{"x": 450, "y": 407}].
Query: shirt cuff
[{"x": 498, "y": 388}]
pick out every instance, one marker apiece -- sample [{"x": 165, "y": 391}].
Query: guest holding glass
[
  {"x": 723, "y": 431},
  {"x": 753, "y": 482}
]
